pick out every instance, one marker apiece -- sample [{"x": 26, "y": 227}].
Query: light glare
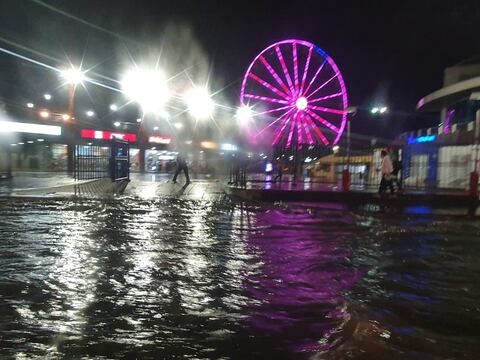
[
  {"x": 148, "y": 88},
  {"x": 244, "y": 114},
  {"x": 73, "y": 76},
  {"x": 200, "y": 104}
]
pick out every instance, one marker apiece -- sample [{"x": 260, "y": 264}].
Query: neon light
[
  {"x": 295, "y": 65},
  {"x": 107, "y": 135},
  {"x": 268, "y": 86},
  {"x": 284, "y": 67},
  {"x": 422, "y": 139},
  {"x": 305, "y": 70},
  {"x": 275, "y": 75},
  {"x": 10, "y": 126},
  {"x": 159, "y": 140},
  {"x": 323, "y": 121},
  {"x": 300, "y": 94}
]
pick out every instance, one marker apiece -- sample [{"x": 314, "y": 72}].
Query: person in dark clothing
[
  {"x": 397, "y": 167},
  {"x": 279, "y": 172},
  {"x": 181, "y": 165}
]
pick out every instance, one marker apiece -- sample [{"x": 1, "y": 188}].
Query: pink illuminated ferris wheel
[{"x": 296, "y": 91}]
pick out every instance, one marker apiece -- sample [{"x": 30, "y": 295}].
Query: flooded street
[{"x": 179, "y": 278}]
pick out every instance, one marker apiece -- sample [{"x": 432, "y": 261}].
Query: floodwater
[{"x": 176, "y": 278}]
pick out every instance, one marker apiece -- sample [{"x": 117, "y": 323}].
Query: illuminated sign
[
  {"x": 10, "y": 126},
  {"x": 422, "y": 139},
  {"x": 159, "y": 139},
  {"x": 228, "y": 147},
  {"x": 107, "y": 135}
]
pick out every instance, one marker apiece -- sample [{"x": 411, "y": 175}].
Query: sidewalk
[{"x": 143, "y": 186}]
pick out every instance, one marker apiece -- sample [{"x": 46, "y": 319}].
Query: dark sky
[{"x": 388, "y": 51}]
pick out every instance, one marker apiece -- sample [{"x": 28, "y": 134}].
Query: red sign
[
  {"x": 159, "y": 139},
  {"x": 107, "y": 135}
]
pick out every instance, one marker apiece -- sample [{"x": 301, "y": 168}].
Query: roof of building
[{"x": 449, "y": 95}]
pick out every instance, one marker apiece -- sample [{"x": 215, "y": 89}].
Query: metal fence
[
  {"x": 91, "y": 162},
  {"x": 98, "y": 162}
]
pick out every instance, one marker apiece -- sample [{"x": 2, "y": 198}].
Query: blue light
[
  {"x": 422, "y": 139},
  {"x": 268, "y": 167}
]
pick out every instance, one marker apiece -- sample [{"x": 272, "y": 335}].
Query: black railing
[{"x": 91, "y": 162}]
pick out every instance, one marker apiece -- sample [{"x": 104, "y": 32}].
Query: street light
[
  {"x": 244, "y": 114},
  {"x": 178, "y": 125},
  {"x": 148, "y": 88},
  {"x": 113, "y": 107},
  {"x": 30, "y": 105},
  {"x": 379, "y": 110},
  {"x": 90, "y": 113},
  {"x": 47, "y": 96},
  {"x": 199, "y": 102},
  {"x": 139, "y": 120},
  {"x": 116, "y": 124},
  {"x": 65, "y": 117},
  {"x": 73, "y": 76}
]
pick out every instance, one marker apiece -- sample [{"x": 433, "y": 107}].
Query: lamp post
[{"x": 73, "y": 77}]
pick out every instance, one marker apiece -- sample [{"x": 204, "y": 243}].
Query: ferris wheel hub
[{"x": 301, "y": 103}]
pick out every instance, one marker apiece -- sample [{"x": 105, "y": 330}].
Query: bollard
[
  {"x": 474, "y": 183},
  {"x": 345, "y": 180}
]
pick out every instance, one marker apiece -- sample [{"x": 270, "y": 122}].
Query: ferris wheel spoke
[
  {"x": 322, "y": 86},
  {"x": 325, "y": 97},
  {"x": 285, "y": 70},
  {"x": 295, "y": 65},
  {"x": 314, "y": 77},
  {"x": 317, "y": 130},
  {"x": 268, "y": 86},
  {"x": 264, "y": 98},
  {"x": 325, "y": 109},
  {"x": 282, "y": 129},
  {"x": 299, "y": 129},
  {"x": 280, "y": 118},
  {"x": 305, "y": 70},
  {"x": 290, "y": 133},
  {"x": 275, "y": 75},
  {"x": 325, "y": 122},
  {"x": 273, "y": 110},
  {"x": 306, "y": 129}
]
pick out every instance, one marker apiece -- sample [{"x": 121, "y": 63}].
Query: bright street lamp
[
  {"x": 199, "y": 102},
  {"x": 47, "y": 96},
  {"x": 90, "y": 113},
  {"x": 65, "y": 117},
  {"x": 244, "y": 114},
  {"x": 178, "y": 125},
  {"x": 116, "y": 124},
  {"x": 379, "y": 110},
  {"x": 73, "y": 76},
  {"x": 113, "y": 107},
  {"x": 30, "y": 105},
  {"x": 139, "y": 120},
  {"x": 148, "y": 88}
]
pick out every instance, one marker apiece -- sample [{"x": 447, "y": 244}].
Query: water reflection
[{"x": 176, "y": 278}]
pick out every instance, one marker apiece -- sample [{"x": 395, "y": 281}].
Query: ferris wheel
[{"x": 296, "y": 94}]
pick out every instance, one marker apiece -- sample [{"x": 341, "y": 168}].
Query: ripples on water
[{"x": 185, "y": 279}]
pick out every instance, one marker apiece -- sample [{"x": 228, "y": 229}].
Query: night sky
[{"x": 388, "y": 52}]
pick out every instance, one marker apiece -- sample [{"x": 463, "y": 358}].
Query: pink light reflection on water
[{"x": 299, "y": 290}]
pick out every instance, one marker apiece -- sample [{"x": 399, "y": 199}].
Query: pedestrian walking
[
  {"x": 181, "y": 166},
  {"x": 386, "y": 169},
  {"x": 279, "y": 171},
  {"x": 396, "y": 178}
]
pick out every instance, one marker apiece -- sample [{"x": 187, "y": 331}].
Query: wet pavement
[{"x": 170, "y": 278}]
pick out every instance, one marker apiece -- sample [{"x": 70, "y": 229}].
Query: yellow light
[
  {"x": 208, "y": 145},
  {"x": 44, "y": 114},
  {"x": 65, "y": 117}
]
